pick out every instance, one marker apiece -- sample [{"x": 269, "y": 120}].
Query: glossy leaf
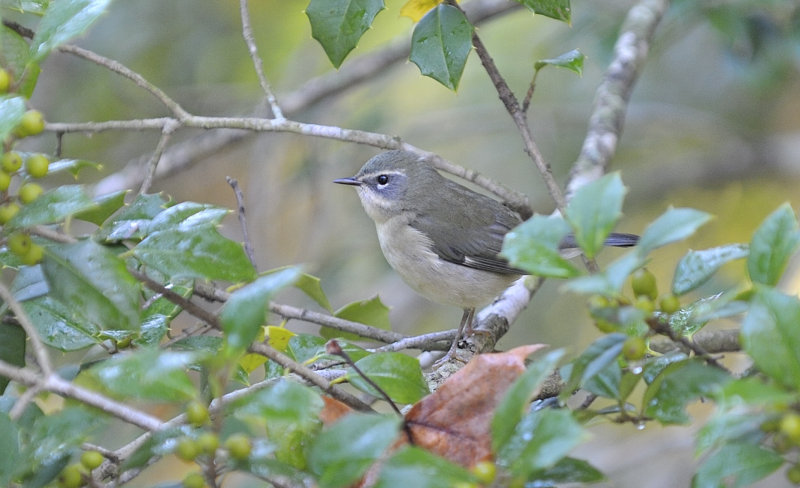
[
  {"x": 568, "y": 470},
  {"x": 9, "y": 446},
  {"x": 540, "y": 441},
  {"x": 610, "y": 281},
  {"x": 666, "y": 397},
  {"x": 771, "y": 336},
  {"x": 339, "y": 24},
  {"x": 727, "y": 426},
  {"x": 572, "y": 60},
  {"x": 52, "y": 206},
  {"x": 59, "y": 326},
  {"x": 246, "y": 309},
  {"x": 72, "y": 166},
  {"x": 12, "y": 349},
  {"x": 53, "y": 435},
  {"x": 555, "y": 9},
  {"x": 398, "y": 375},
  {"x": 104, "y": 207},
  {"x": 303, "y": 347},
  {"x": 311, "y": 286},
  {"x": 366, "y": 436},
  {"x": 147, "y": 374},
  {"x": 94, "y": 282},
  {"x": 16, "y": 57},
  {"x": 132, "y": 221},
  {"x": 533, "y": 247},
  {"x": 606, "y": 383},
  {"x": 62, "y": 21},
  {"x": 594, "y": 359},
  {"x": 11, "y": 110},
  {"x": 441, "y": 43},
  {"x": 772, "y": 245},
  {"x": 370, "y": 312},
  {"x": 419, "y": 468},
  {"x": 517, "y": 399},
  {"x": 198, "y": 252},
  {"x": 697, "y": 267},
  {"x": 186, "y": 215},
  {"x": 673, "y": 225},
  {"x": 736, "y": 465},
  {"x": 594, "y": 210}
]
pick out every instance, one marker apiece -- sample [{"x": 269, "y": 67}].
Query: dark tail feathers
[{"x": 615, "y": 239}]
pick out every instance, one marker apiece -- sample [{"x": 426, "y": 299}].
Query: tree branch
[{"x": 247, "y": 34}]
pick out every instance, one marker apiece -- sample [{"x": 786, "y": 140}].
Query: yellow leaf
[
  {"x": 416, "y": 9},
  {"x": 279, "y": 337},
  {"x": 250, "y": 362}
]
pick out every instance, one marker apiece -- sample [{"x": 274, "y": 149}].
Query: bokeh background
[{"x": 714, "y": 124}]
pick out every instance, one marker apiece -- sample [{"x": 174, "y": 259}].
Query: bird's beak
[{"x": 348, "y": 181}]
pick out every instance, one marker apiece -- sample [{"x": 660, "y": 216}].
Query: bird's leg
[{"x": 464, "y": 330}]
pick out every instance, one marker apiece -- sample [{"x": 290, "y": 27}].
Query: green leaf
[
  {"x": 666, "y": 397},
  {"x": 339, "y": 24},
  {"x": 533, "y": 247},
  {"x": 12, "y": 350},
  {"x": 246, "y": 309},
  {"x": 56, "y": 434},
  {"x": 341, "y": 454},
  {"x": 9, "y": 446},
  {"x": 72, "y": 166},
  {"x": 592, "y": 222},
  {"x": 697, "y": 267},
  {"x": 310, "y": 285},
  {"x": 303, "y": 347},
  {"x": 610, "y": 281},
  {"x": 59, "y": 326},
  {"x": 132, "y": 221},
  {"x": 555, "y": 9},
  {"x": 695, "y": 316},
  {"x": 441, "y": 43},
  {"x": 51, "y": 207},
  {"x": 727, "y": 426},
  {"x": 370, "y": 312},
  {"x": 516, "y": 400},
  {"x": 413, "y": 466},
  {"x": 398, "y": 375},
  {"x": 186, "y": 215},
  {"x": 148, "y": 374},
  {"x": 568, "y": 470},
  {"x": 772, "y": 245},
  {"x": 771, "y": 336},
  {"x": 540, "y": 441},
  {"x": 606, "y": 383},
  {"x": 673, "y": 225},
  {"x": 15, "y": 58},
  {"x": 736, "y": 465},
  {"x": 62, "y": 21},
  {"x": 594, "y": 359},
  {"x": 94, "y": 282},
  {"x": 198, "y": 252},
  {"x": 104, "y": 207},
  {"x": 572, "y": 60},
  {"x": 12, "y": 108}
]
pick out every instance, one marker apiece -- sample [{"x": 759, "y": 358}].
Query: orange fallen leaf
[
  {"x": 333, "y": 410},
  {"x": 455, "y": 421}
]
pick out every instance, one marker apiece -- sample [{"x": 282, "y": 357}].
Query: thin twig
[
  {"x": 660, "y": 327},
  {"x": 248, "y": 246},
  {"x": 247, "y": 33},
  {"x": 307, "y": 374},
  {"x": 152, "y": 165},
  {"x": 186, "y": 304},
  {"x": 123, "y": 70},
  {"x": 435, "y": 341},
  {"x": 290, "y": 312},
  {"x": 39, "y": 350}
]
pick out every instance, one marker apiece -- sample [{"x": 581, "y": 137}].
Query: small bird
[{"x": 442, "y": 238}]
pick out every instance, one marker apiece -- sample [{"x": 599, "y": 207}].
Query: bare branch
[
  {"x": 613, "y": 94},
  {"x": 247, "y": 33},
  {"x": 237, "y": 192},
  {"x": 166, "y": 135}
]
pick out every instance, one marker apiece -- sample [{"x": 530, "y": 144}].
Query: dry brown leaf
[
  {"x": 454, "y": 422},
  {"x": 333, "y": 410}
]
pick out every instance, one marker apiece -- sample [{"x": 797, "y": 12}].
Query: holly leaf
[
  {"x": 441, "y": 43},
  {"x": 339, "y": 24}
]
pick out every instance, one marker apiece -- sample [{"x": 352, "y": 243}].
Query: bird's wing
[{"x": 479, "y": 234}]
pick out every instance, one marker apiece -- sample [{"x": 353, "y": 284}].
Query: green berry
[
  {"x": 634, "y": 348},
  {"x": 187, "y": 449},
  {"x": 208, "y": 442},
  {"x": 669, "y": 304},
  {"x": 32, "y": 123},
  {"x": 5, "y": 80},
  {"x": 643, "y": 283},
  {"x": 37, "y": 165},
  {"x": 29, "y": 192},
  {"x": 605, "y": 326},
  {"x": 19, "y": 243},
  {"x": 485, "y": 471},
  {"x": 91, "y": 460},
  {"x": 197, "y": 414},
  {"x": 8, "y": 211},
  {"x": 793, "y": 474},
  {"x": 5, "y": 181},
  {"x": 645, "y": 304},
  {"x": 238, "y": 445},
  {"x": 11, "y": 162},
  {"x": 34, "y": 255},
  {"x": 790, "y": 426},
  {"x": 194, "y": 480},
  {"x": 70, "y": 476}
]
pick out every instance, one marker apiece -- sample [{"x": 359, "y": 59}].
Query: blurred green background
[{"x": 714, "y": 123}]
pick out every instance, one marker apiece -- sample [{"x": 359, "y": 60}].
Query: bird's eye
[{"x": 383, "y": 179}]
